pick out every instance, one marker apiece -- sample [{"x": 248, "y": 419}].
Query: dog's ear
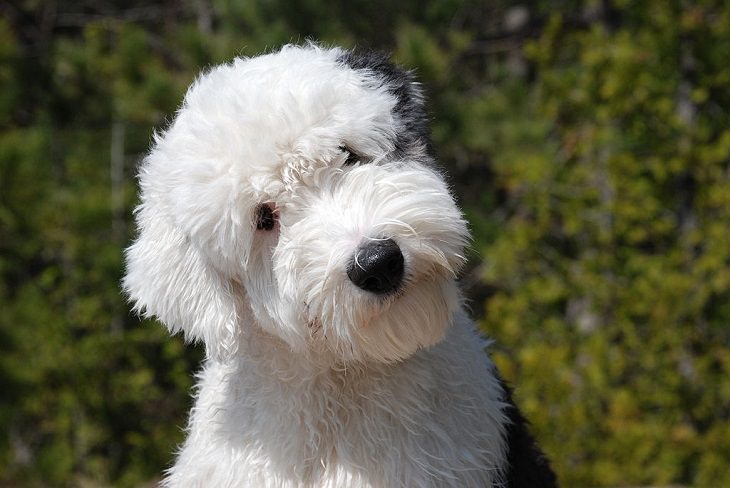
[
  {"x": 193, "y": 238},
  {"x": 168, "y": 277}
]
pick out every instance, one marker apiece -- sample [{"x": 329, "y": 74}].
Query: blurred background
[{"x": 588, "y": 142}]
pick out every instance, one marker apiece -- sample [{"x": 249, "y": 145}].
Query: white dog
[{"x": 292, "y": 219}]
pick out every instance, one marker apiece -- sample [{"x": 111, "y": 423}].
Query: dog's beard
[
  {"x": 299, "y": 288},
  {"x": 387, "y": 329}
]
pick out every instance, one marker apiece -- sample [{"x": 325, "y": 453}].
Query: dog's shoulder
[{"x": 526, "y": 465}]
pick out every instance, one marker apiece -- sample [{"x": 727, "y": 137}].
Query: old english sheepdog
[{"x": 292, "y": 219}]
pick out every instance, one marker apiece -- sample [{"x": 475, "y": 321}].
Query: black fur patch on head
[{"x": 415, "y": 136}]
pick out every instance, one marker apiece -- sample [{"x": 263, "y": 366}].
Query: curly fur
[{"x": 309, "y": 380}]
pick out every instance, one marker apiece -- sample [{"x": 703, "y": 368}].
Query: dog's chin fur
[{"x": 310, "y": 380}]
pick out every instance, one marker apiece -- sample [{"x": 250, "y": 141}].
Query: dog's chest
[
  {"x": 335, "y": 427},
  {"x": 402, "y": 426}
]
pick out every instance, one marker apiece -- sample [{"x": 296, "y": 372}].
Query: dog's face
[{"x": 294, "y": 192}]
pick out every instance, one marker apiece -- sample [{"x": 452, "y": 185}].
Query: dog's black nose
[{"x": 377, "y": 266}]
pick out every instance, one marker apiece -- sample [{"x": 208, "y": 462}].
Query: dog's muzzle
[{"x": 377, "y": 266}]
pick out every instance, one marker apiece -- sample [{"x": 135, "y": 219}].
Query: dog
[{"x": 293, "y": 219}]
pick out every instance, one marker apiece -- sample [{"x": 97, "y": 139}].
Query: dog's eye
[
  {"x": 352, "y": 158},
  {"x": 265, "y": 217}
]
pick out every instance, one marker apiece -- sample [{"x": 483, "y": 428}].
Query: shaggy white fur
[{"x": 256, "y": 202}]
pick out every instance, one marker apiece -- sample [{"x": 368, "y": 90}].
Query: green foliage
[
  {"x": 88, "y": 393},
  {"x": 611, "y": 269},
  {"x": 588, "y": 143}
]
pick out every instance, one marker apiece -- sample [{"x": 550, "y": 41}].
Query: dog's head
[{"x": 295, "y": 192}]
